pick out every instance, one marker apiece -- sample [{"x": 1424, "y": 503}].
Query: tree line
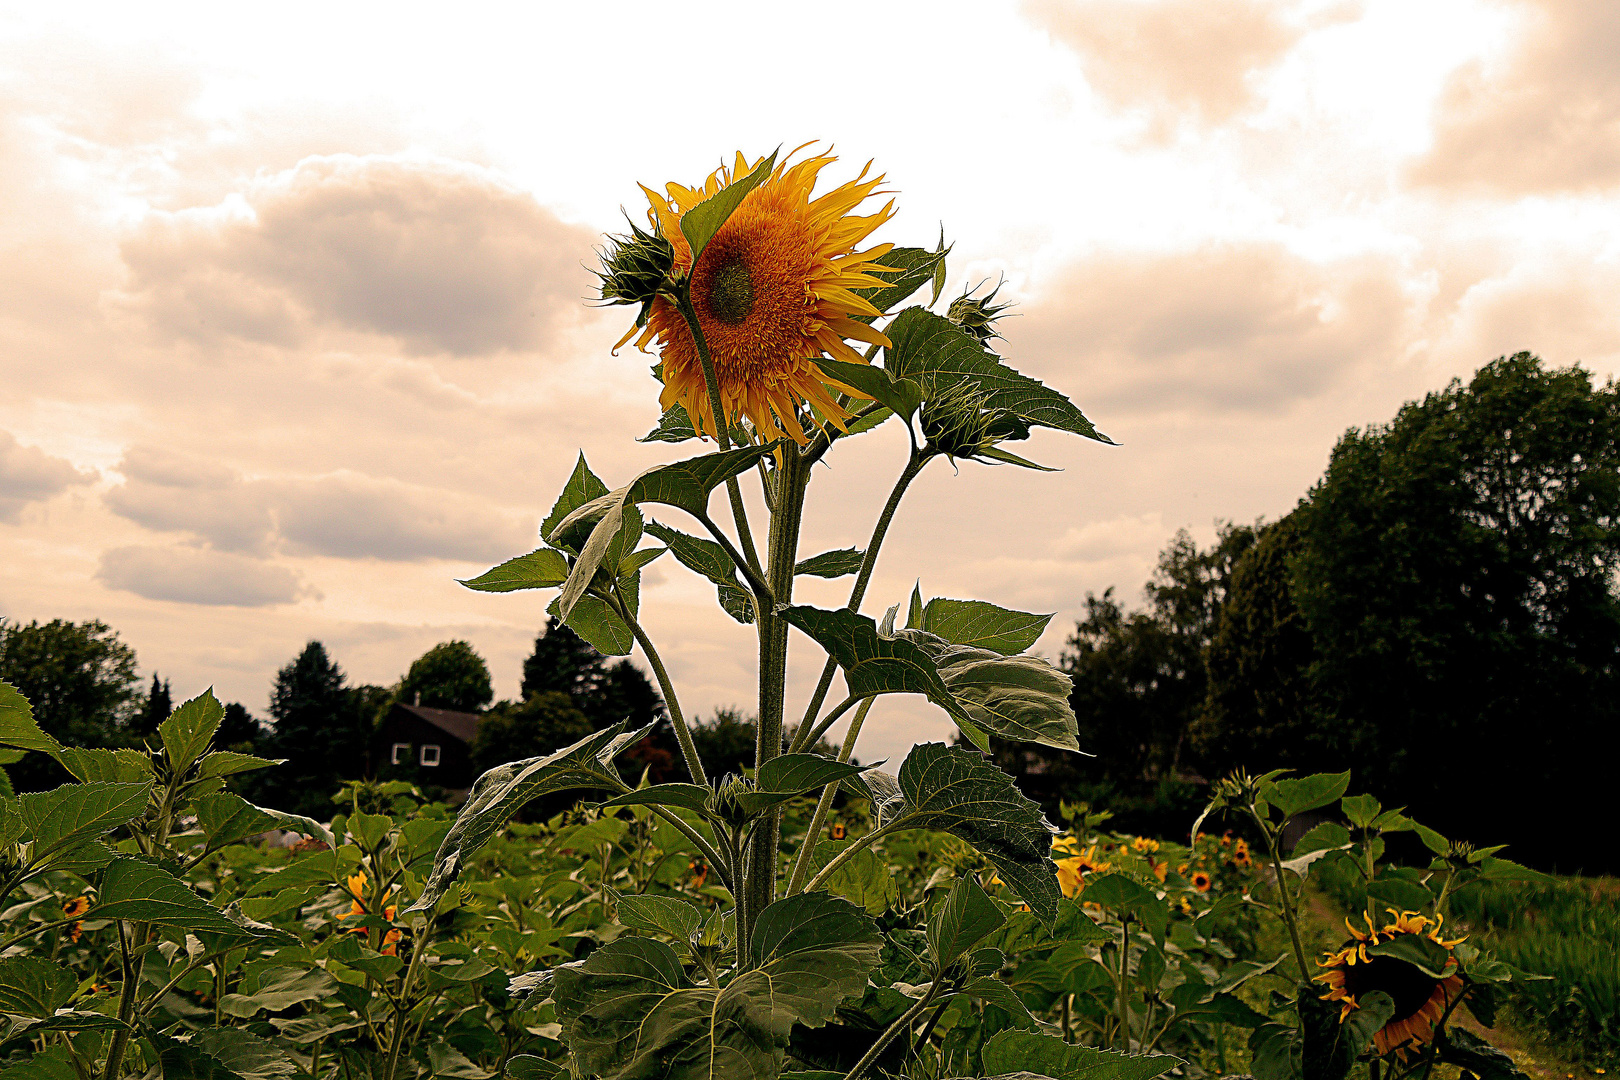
[{"x": 1438, "y": 613}]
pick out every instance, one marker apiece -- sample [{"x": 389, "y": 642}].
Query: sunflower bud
[
  {"x": 977, "y": 314},
  {"x": 634, "y": 269},
  {"x": 958, "y": 423},
  {"x": 725, "y": 802}
]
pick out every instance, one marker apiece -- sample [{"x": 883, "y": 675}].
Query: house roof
[{"x": 462, "y": 725}]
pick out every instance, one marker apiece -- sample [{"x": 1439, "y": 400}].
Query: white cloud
[
  {"x": 199, "y": 576},
  {"x": 28, "y": 474}
]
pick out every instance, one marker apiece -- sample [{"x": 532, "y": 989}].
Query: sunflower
[
  {"x": 1071, "y": 871},
  {"x": 76, "y": 907},
  {"x": 773, "y": 290},
  {"x": 837, "y": 831},
  {"x": 1201, "y": 880},
  {"x": 1144, "y": 845},
  {"x": 700, "y": 872},
  {"x": 1420, "y": 999},
  {"x": 391, "y": 942}
]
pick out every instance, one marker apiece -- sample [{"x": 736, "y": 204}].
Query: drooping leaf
[
  {"x": 709, "y": 559},
  {"x": 874, "y": 664},
  {"x": 966, "y": 917},
  {"x": 900, "y": 396},
  {"x": 957, "y": 791},
  {"x": 1373, "y": 1010},
  {"x": 1022, "y": 698},
  {"x": 543, "y": 568},
  {"x": 981, "y": 624},
  {"x": 1047, "y": 1055},
  {"x": 700, "y": 223},
  {"x": 280, "y": 988},
  {"x": 34, "y": 986},
  {"x": 74, "y": 814},
  {"x": 227, "y": 818},
  {"x": 1429, "y": 957},
  {"x": 630, "y": 1011},
  {"x": 140, "y": 892},
  {"x": 502, "y": 791},
  {"x": 189, "y": 729},
  {"x": 682, "y": 484},
  {"x": 17, "y": 725},
  {"x": 832, "y": 564},
  {"x": 1463, "y": 1048},
  {"x": 937, "y": 354}
]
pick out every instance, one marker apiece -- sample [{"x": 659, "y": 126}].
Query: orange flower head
[
  {"x": 775, "y": 288},
  {"x": 75, "y": 907},
  {"x": 1421, "y": 1000},
  {"x": 1201, "y": 880},
  {"x": 837, "y": 831}
]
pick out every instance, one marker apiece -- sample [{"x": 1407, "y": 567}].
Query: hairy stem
[
  {"x": 905, "y": 1021},
  {"x": 683, "y": 734},
  {"x": 126, "y": 1007},
  {"x": 759, "y": 878},
  {"x": 857, "y": 592},
  {"x": 801, "y": 867},
  {"x": 402, "y": 1011}
]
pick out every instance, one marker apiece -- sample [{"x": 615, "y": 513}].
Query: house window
[
  {"x": 402, "y": 754},
  {"x": 430, "y": 754}
]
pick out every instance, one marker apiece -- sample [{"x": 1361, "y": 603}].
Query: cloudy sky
[{"x": 292, "y": 319}]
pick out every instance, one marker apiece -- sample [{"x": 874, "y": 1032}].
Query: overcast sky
[{"x": 292, "y": 319}]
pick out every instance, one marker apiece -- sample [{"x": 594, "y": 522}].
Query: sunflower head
[
  {"x": 1421, "y": 999},
  {"x": 1201, "y": 880},
  {"x": 635, "y": 269},
  {"x": 778, "y": 285},
  {"x": 977, "y": 315},
  {"x": 75, "y": 907},
  {"x": 837, "y": 831}
]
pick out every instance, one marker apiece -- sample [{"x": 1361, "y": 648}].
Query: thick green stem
[
  {"x": 857, "y": 592},
  {"x": 126, "y": 1008},
  {"x": 402, "y": 1011},
  {"x": 683, "y": 734},
  {"x": 806, "y": 859},
  {"x": 1283, "y": 898},
  {"x": 905, "y": 1021},
  {"x": 759, "y": 877}
]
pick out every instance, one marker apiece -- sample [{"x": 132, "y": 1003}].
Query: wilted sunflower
[
  {"x": 1420, "y": 999},
  {"x": 772, "y": 290},
  {"x": 1071, "y": 871}
]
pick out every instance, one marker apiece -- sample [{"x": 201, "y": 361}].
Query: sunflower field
[{"x": 813, "y": 916}]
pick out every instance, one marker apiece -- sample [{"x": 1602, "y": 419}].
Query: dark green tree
[
  {"x": 562, "y": 660},
  {"x": 155, "y": 709},
  {"x": 546, "y": 720},
  {"x": 238, "y": 730},
  {"x": 1261, "y": 710},
  {"x": 1457, "y": 571},
  {"x": 318, "y": 729},
  {"x": 81, "y": 680},
  {"x": 451, "y": 675}
]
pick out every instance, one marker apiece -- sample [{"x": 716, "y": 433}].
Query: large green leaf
[
  {"x": 678, "y": 918},
  {"x": 682, "y": 484},
  {"x": 956, "y": 790},
  {"x": 1015, "y": 697},
  {"x": 227, "y": 818},
  {"x": 900, "y": 396},
  {"x": 981, "y": 624},
  {"x": 790, "y": 775},
  {"x": 543, "y": 568},
  {"x": 504, "y": 790},
  {"x": 596, "y": 622},
  {"x": 832, "y": 564},
  {"x": 140, "y": 892},
  {"x": 73, "y": 814},
  {"x": 53, "y": 1063},
  {"x": 913, "y": 268},
  {"x": 630, "y": 1011},
  {"x": 1473, "y": 1054},
  {"x": 1429, "y": 957},
  {"x": 864, "y": 879},
  {"x": 244, "y": 1054},
  {"x": 700, "y": 223},
  {"x": 709, "y": 559},
  {"x": 34, "y": 986},
  {"x": 937, "y": 354},
  {"x": 872, "y": 663},
  {"x": 279, "y": 988},
  {"x": 188, "y": 730},
  {"x": 1046, "y": 1055},
  {"x": 583, "y": 486},
  {"x": 230, "y": 763},
  {"x": 965, "y": 918},
  {"x": 17, "y": 725},
  {"x": 91, "y": 765},
  {"x": 1307, "y": 793}
]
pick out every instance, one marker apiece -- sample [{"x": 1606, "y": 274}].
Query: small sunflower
[
  {"x": 1145, "y": 845},
  {"x": 75, "y": 907},
  {"x": 773, "y": 290},
  {"x": 1201, "y": 880},
  {"x": 837, "y": 831},
  {"x": 390, "y": 942},
  {"x": 75, "y": 932},
  {"x": 1071, "y": 872},
  {"x": 700, "y": 872},
  {"x": 1420, "y": 999}
]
